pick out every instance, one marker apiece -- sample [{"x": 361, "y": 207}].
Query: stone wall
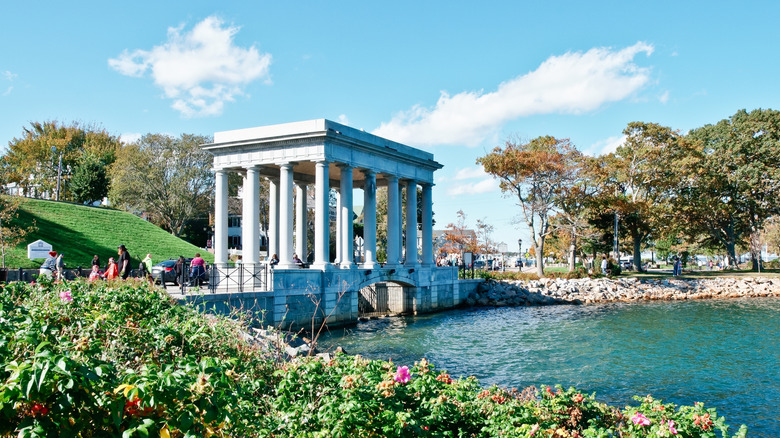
[
  {"x": 302, "y": 297},
  {"x": 583, "y": 291}
]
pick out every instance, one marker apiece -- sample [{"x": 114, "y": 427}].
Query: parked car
[
  {"x": 479, "y": 264},
  {"x": 169, "y": 275},
  {"x": 166, "y": 269}
]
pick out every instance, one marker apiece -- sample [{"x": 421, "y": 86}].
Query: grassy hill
[{"x": 80, "y": 232}]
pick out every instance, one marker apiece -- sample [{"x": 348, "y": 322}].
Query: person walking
[
  {"x": 604, "y": 265},
  {"x": 124, "y": 262},
  {"x": 112, "y": 271},
  {"x": 49, "y": 265},
  {"x": 95, "y": 274},
  {"x": 147, "y": 264},
  {"x": 96, "y": 261},
  {"x": 60, "y": 265},
  {"x": 178, "y": 269},
  {"x": 197, "y": 270}
]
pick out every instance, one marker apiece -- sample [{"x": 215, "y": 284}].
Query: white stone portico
[
  {"x": 327, "y": 155},
  {"x": 293, "y": 157}
]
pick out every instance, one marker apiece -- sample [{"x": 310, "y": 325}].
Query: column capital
[
  {"x": 287, "y": 165},
  {"x": 344, "y": 165}
]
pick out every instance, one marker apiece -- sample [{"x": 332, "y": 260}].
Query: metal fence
[
  {"x": 238, "y": 279},
  {"x": 28, "y": 275}
]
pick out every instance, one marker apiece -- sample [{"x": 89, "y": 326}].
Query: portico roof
[{"x": 307, "y": 142}]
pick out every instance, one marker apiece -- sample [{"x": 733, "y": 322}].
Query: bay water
[{"x": 724, "y": 353}]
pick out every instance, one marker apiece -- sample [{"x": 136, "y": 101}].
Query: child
[
  {"x": 112, "y": 271},
  {"x": 95, "y": 274}
]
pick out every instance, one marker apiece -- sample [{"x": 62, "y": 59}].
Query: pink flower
[
  {"x": 640, "y": 420},
  {"x": 402, "y": 375},
  {"x": 534, "y": 429},
  {"x": 671, "y": 428},
  {"x": 65, "y": 296}
]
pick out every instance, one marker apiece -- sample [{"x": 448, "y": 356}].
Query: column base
[
  {"x": 347, "y": 265},
  {"x": 369, "y": 265},
  {"x": 322, "y": 266},
  {"x": 287, "y": 266}
]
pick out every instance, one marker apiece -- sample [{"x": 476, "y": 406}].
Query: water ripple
[{"x": 721, "y": 352}]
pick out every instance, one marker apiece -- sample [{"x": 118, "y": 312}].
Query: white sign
[
  {"x": 502, "y": 247},
  {"x": 38, "y": 250}
]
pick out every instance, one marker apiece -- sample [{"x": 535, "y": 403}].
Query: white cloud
[
  {"x": 571, "y": 83},
  {"x": 130, "y": 137},
  {"x": 200, "y": 70},
  {"x": 485, "y": 186},
  {"x": 469, "y": 173},
  {"x": 8, "y": 91},
  {"x": 8, "y": 75},
  {"x": 606, "y": 146},
  {"x": 664, "y": 97},
  {"x": 343, "y": 119}
]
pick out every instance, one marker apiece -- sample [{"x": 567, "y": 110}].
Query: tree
[
  {"x": 32, "y": 160},
  {"x": 735, "y": 187},
  {"x": 89, "y": 181},
  {"x": 458, "y": 238},
  {"x": 575, "y": 198},
  {"x": 169, "y": 179},
  {"x": 532, "y": 172},
  {"x": 642, "y": 174},
  {"x": 10, "y": 234}
]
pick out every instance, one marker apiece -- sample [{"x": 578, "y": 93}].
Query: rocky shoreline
[{"x": 549, "y": 291}]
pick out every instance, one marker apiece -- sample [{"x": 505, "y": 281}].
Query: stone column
[
  {"x": 250, "y": 221},
  {"x": 337, "y": 260},
  {"x": 221, "y": 218},
  {"x": 286, "y": 216},
  {"x": 301, "y": 221},
  {"x": 322, "y": 216},
  {"x": 411, "y": 223},
  {"x": 369, "y": 219},
  {"x": 393, "y": 221},
  {"x": 427, "y": 225},
  {"x": 273, "y": 217},
  {"x": 346, "y": 238}
]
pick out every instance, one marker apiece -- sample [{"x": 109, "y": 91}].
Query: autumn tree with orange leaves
[{"x": 532, "y": 172}]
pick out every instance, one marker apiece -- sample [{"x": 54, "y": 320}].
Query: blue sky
[{"x": 454, "y": 78}]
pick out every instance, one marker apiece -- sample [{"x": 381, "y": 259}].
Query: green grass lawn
[{"x": 80, "y": 232}]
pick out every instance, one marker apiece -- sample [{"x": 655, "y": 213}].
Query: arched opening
[{"x": 385, "y": 299}]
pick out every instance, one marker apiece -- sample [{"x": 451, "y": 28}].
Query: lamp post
[
  {"x": 59, "y": 172},
  {"x": 520, "y": 253}
]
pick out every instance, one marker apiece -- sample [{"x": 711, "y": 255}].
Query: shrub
[{"x": 125, "y": 360}]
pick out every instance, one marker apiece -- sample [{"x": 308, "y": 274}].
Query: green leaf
[{"x": 43, "y": 375}]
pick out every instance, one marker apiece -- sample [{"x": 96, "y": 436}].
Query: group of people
[
  {"x": 54, "y": 265},
  {"x": 116, "y": 268},
  {"x": 121, "y": 268}
]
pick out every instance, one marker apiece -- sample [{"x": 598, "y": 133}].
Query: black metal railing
[{"x": 242, "y": 278}]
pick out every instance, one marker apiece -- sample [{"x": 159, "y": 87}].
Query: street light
[{"x": 520, "y": 246}]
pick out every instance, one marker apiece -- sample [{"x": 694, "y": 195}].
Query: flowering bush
[{"x": 88, "y": 360}]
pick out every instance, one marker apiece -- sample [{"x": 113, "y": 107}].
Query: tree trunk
[
  {"x": 637, "y": 253},
  {"x": 539, "y": 249},
  {"x": 573, "y": 251},
  {"x": 731, "y": 254}
]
